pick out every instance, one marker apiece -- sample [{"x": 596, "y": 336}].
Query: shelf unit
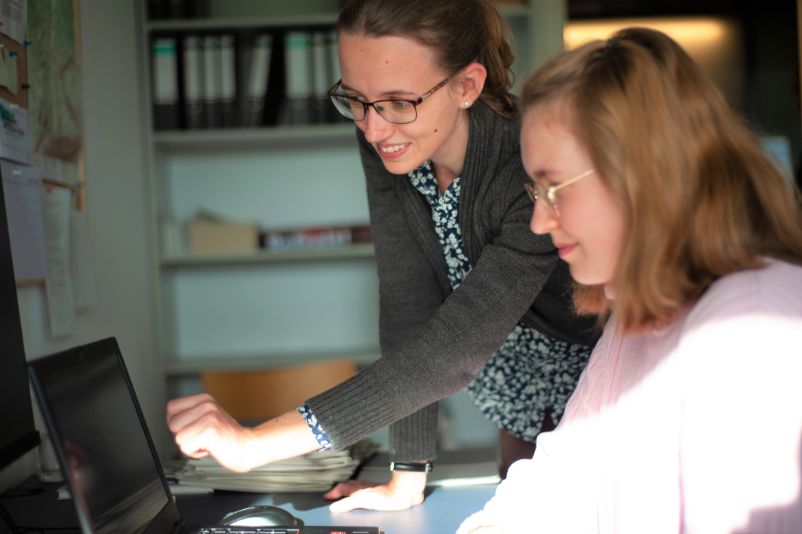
[
  {"x": 175, "y": 140},
  {"x": 352, "y": 252},
  {"x": 255, "y": 311},
  {"x": 257, "y": 361}
]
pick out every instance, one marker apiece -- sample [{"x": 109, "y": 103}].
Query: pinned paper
[
  {"x": 8, "y": 70},
  {"x": 60, "y": 296},
  {"x": 24, "y": 205}
]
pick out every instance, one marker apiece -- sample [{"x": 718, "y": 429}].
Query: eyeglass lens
[
  {"x": 537, "y": 192},
  {"x": 396, "y": 111}
]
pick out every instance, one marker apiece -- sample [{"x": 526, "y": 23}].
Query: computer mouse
[{"x": 262, "y": 516}]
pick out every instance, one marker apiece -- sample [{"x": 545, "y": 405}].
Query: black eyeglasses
[{"x": 395, "y": 110}]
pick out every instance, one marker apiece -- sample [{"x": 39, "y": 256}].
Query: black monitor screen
[
  {"x": 18, "y": 434},
  {"x": 100, "y": 437}
]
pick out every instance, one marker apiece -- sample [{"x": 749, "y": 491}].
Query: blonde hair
[
  {"x": 700, "y": 197},
  {"x": 460, "y": 31}
]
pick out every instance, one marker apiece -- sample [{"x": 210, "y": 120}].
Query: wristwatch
[{"x": 418, "y": 467}]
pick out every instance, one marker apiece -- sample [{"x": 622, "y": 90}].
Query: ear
[{"x": 471, "y": 81}]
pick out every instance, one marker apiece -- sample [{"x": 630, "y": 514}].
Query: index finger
[{"x": 181, "y": 404}]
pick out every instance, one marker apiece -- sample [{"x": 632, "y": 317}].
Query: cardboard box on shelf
[{"x": 207, "y": 237}]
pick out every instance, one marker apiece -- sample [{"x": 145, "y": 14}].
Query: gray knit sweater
[{"x": 434, "y": 340}]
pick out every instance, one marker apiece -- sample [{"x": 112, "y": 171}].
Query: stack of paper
[{"x": 316, "y": 471}]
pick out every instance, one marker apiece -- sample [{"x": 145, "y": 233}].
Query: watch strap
[{"x": 418, "y": 467}]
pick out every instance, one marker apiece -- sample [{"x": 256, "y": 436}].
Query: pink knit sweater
[{"x": 695, "y": 428}]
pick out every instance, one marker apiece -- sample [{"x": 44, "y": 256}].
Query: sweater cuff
[
  {"x": 352, "y": 410},
  {"x": 414, "y": 438}
]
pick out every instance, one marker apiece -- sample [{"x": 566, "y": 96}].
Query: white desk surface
[{"x": 441, "y": 512}]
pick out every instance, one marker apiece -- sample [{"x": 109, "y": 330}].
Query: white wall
[{"x": 117, "y": 205}]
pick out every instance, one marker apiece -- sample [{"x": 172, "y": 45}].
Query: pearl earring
[{"x": 467, "y": 104}]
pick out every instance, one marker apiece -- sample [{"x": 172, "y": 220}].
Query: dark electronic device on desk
[
  {"x": 107, "y": 456},
  {"x": 18, "y": 435}
]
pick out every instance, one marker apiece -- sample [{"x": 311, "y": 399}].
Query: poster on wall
[{"x": 54, "y": 76}]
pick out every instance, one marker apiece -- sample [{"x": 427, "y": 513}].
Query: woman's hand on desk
[{"x": 404, "y": 490}]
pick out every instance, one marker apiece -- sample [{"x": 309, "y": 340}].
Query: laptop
[{"x": 106, "y": 452}]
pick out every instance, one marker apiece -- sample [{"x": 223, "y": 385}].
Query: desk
[{"x": 441, "y": 512}]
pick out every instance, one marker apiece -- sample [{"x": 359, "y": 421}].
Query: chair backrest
[{"x": 258, "y": 395}]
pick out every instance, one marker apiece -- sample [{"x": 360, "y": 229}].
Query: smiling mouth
[{"x": 391, "y": 149}]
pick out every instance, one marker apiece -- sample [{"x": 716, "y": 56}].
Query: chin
[
  {"x": 587, "y": 276},
  {"x": 399, "y": 167}
]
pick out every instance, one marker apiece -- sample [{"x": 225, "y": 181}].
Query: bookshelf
[
  {"x": 256, "y": 310},
  {"x": 215, "y": 139},
  {"x": 251, "y": 362},
  {"x": 238, "y": 23},
  {"x": 352, "y": 252}
]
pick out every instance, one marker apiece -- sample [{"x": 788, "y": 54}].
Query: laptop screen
[{"x": 100, "y": 437}]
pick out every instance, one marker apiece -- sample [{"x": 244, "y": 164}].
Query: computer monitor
[
  {"x": 101, "y": 440},
  {"x": 18, "y": 434}
]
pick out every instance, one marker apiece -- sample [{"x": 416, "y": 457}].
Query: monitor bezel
[{"x": 16, "y": 448}]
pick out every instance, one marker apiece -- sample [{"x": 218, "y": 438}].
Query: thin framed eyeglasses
[
  {"x": 395, "y": 110},
  {"x": 549, "y": 194}
]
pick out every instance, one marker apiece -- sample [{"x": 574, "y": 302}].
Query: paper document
[
  {"x": 60, "y": 297},
  {"x": 313, "y": 472},
  {"x": 24, "y": 205},
  {"x": 14, "y": 18},
  {"x": 8, "y": 70},
  {"x": 15, "y": 134}
]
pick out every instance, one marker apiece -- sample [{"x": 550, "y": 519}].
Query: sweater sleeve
[
  {"x": 433, "y": 344},
  {"x": 742, "y": 405},
  {"x": 409, "y": 294},
  {"x": 414, "y": 438}
]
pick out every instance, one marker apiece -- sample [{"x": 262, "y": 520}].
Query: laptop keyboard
[
  {"x": 289, "y": 530},
  {"x": 249, "y": 530}
]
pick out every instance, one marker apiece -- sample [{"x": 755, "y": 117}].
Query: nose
[
  {"x": 543, "y": 219},
  {"x": 374, "y": 125}
]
